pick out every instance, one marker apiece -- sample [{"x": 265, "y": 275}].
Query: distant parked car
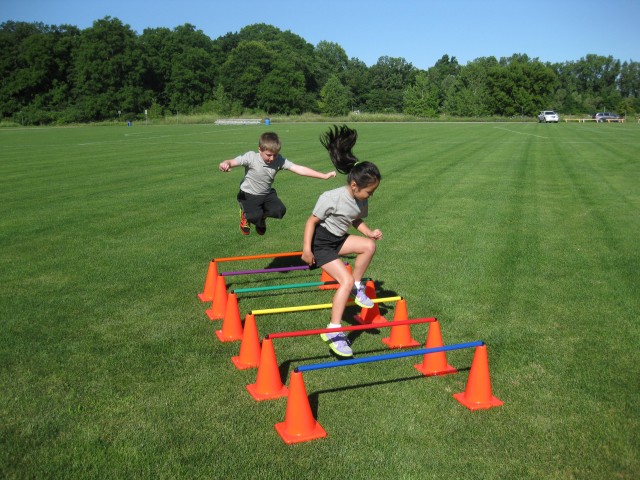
[
  {"x": 605, "y": 117},
  {"x": 548, "y": 116}
]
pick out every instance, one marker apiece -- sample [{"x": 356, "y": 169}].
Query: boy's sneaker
[
  {"x": 339, "y": 343},
  {"x": 360, "y": 297},
  {"x": 245, "y": 227},
  {"x": 261, "y": 230}
]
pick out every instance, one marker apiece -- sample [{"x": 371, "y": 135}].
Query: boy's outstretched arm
[
  {"x": 227, "y": 165},
  {"x": 310, "y": 172}
]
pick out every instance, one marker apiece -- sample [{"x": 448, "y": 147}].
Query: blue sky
[{"x": 420, "y": 31}]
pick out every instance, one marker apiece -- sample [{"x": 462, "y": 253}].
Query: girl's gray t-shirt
[
  {"x": 337, "y": 210},
  {"x": 259, "y": 175}
]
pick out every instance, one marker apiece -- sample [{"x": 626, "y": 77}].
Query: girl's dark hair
[{"x": 339, "y": 141}]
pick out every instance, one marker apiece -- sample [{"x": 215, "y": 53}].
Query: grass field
[{"x": 524, "y": 236}]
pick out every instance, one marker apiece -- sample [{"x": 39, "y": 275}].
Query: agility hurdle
[
  {"x": 320, "y": 306},
  {"x": 208, "y": 290},
  {"x": 300, "y": 425},
  {"x": 287, "y": 286},
  {"x": 257, "y": 257},
  {"x": 400, "y": 336},
  {"x": 271, "y": 270},
  {"x": 268, "y": 383},
  {"x": 282, "y": 287},
  {"x": 265, "y": 270},
  {"x": 349, "y": 328},
  {"x": 387, "y": 356}
]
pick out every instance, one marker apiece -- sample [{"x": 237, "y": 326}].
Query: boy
[{"x": 257, "y": 198}]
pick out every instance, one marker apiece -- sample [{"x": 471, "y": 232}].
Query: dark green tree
[
  {"x": 356, "y": 79},
  {"x": 35, "y": 64},
  {"x": 335, "y": 98},
  {"x": 108, "y": 72},
  {"x": 329, "y": 59},
  {"x": 629, "y": 86},
  {"x": 467, "y": 95},
  {"x": 282, "y": 90},
  {"x": 389, "y": 78},
  {"x": 246, "y": 66},
  {"x": 520, "y": 86},
  {"x": 421, "y": 98}
]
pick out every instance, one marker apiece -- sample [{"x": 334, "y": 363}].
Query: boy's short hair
[{"x": 270, "y": 142}]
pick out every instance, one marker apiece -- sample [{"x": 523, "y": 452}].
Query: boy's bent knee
[{"x": 276, "y": 213}]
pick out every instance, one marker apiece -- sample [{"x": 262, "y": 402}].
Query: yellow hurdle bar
[{"x": 320, "y": 306}]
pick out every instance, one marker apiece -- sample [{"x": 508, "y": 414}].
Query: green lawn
[{"x": 524, "y": 236}]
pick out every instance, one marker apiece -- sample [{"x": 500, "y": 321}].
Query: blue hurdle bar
[{"x": 389, "y": 356}]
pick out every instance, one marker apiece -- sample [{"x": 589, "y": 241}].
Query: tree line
[{"x": 61, "y": 74}]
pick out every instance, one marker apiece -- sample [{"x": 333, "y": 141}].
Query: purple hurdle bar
[{"x": 265, "y": 270}]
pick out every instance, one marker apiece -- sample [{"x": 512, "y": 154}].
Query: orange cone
[
  {"x": 209, "y": 283},
  {"x": 400, "y": 336},
  {"x": 370, "y": 315},
  {"x": 231, "y": 325},
  {"x": 434, "y": 363},
  {"x": 299, "y": 424},
  {"x": 477, "y": 394},
  {"x": 325, "y": 277},
  {"x": 268, "y": 384},
  {"x": 249, "y": 356},
  {"x": 219, "y": 304}
]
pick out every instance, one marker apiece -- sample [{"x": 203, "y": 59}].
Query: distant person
[
  {"x": 258, "y": 199},
  {"x": 326, "y": 235}
]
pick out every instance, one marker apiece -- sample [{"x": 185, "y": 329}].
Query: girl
[{"x": 325, "y": 233}]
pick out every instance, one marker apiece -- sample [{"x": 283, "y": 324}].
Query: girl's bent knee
[
  {"x": 347, "y": 282},
  {"x": 370, "y": 246}
]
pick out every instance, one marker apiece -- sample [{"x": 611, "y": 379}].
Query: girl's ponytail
[{"x": 339, "y": 142}]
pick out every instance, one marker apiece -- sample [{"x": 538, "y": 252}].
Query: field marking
[{"x": 520, "y": 133}]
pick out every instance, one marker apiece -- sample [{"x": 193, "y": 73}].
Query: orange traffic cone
[
  {"x": 249, "y": 356},
  {"x": 325, "y": 277},
  {"x": 231, "y": 325},
  {"x": 434, "y": 363},
  {"x": 477, "y": 394},
  {"x": 268, "y": 384},
  {"x": 370, "y": 315},
  {"x": 400, "y": 336},
  {"x": 219, "y": 304},
  {"x": 209, "y": 283},
  {"x": 299, "y": 424}
]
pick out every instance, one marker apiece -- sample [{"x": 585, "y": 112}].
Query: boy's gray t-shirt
[
  {"x": 259, "y": 175},
  {"x": 337, "y": 209}
]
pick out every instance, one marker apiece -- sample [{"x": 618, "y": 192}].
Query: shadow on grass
[{"x": 314, "y": 397}]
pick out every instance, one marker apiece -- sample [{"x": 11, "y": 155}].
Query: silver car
[
  {"x": 606, "y": 117},
  {"x": 548, "y": 116}
]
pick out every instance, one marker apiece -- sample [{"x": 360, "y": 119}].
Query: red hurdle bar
[{"x": 301, "y": 333}]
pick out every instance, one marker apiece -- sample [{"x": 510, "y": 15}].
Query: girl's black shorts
[{"x": 325, "y": 246}]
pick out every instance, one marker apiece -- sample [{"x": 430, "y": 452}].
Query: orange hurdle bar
[{"x": 256, "y": 257}]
